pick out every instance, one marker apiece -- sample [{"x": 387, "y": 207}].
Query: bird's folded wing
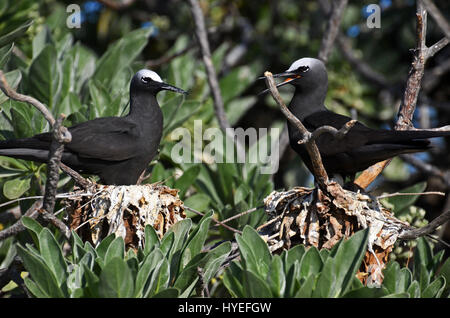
[
  {"x": 329, "y": 144},
  {"x": 111, "y": 139}
]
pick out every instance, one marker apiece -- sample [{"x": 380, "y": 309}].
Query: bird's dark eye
[
  {"x": 303, "y": 69},
  {"x": 145, "y": 80}
]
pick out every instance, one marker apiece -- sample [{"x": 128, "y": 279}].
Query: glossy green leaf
[
  {"x": 115, "y": 249},
  {"x": 116, "y": 280},
  {"x": 15, "y": 188},
  {"x": 311, "y": 263},
  {"x": 40, "y": 273},
  {"x": 151, "y": 239},
  {"x": 13, "y": 79},
  {"x": 11, "y": 36},
  {"x": 276, "y": 278},
  {"x": 186, "y": 180},
  {"x": 44, "y": 79},
  {"x": 52, "y": 254}
]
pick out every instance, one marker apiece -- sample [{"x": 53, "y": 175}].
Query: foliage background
[{"x": 79, "y": 71}]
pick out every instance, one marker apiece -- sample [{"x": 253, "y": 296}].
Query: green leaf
[
  {"x": 34, "y": 288},
  {"x": 151, "y": 239},
  {"x": 276, "y": 278},
  {"x": 15, "y": 188},
  {"x": 233, "y": 280},
  {"x": 198, "y": 202},
  {"x": 5, "y": 53},
  {"x": 254, "y": 251},
  {"x": 120, "y": 55},
  {"x": 159, "y": 279},
  {"x": 52, "y": 254},
  {"x": 307, "y": 287},
  {"x": 13, "y": 79},
  {"x": 44, "y": 79},
  {"x": 196, "y": 239},
  {"x": 338, "y": 271},
  {"x": 255, "y": 287},
  {"x": 40, "y": 273},
  {"x": 167, "y": 243},
  {"x": 116, "y": 280},
  {"x": 104, "y": 244},
  {"x": 290, "y": 256},
  {"x": 168, "y": 293},
  {"x": 366, "y": 292},
  {"x": 414, "y": 290},
  {"x": 146, "y": 269},
  {"x": 401, "y": 202},
  {"x": 187, "y": 179},
  {"x": 311, "y": 263},
  {"x": 435, "y": 289},
  {"x": 115, "y": 249},
  {"x": 18, "y": 32},
  {"x": 32, "y": 224}
]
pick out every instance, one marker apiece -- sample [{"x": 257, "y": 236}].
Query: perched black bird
[
  {"x": 362, "y": 146},
  {"x": 117, "y": 149}
]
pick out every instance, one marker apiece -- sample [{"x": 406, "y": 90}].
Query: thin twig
[
  {"x": 409, "y": 193},
  {"x": 18, "y": 227},
  {"x": 11, "y": 93},
  {"x": 167, "y": 58},
  {"x": 319, "y": 171},
  {"x": 332, "y": 29},
  {"x": 409, "y": 101},
  {"x": 338, "y": 134},
  {"x": 241, "y": 214},
  {"x": 202, "y": 37},
  {"x": 217, "y": 222},
  {"x": 428, "y": 168},
  {"x": 437, "y": 16},
  {"x": 427, "y": 229}
]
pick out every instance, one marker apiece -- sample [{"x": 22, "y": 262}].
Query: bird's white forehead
[
  {"x": 306, "y": 61},
  {"x": 148, "y": 73}
]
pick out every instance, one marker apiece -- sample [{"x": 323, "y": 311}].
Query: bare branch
[
  {"x": 11, "y": 93},
  {"x": 240, "y": 214},
  {"x": 319, "y": 171},
  {"x": 202, "y": 37},
  {"x": 427, "y": 229},
  {"x": 60, "y": 136},
  {"x": 167, "y": 58},
  {"x": 359, "y": 65},
  {"x": 409, "y": 101},
  {"x": 217, "y": 222},
  {"x": 338, "y": 134},
  {"x": 396, "y": 194},
  {"x": 427, "y": 168},
  {"x": 18, "y": 227},
  {"x": 332, "y": 29},
  {"x": 437, "y": 16}
]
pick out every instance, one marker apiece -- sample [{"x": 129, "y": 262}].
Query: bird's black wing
[
  {"x": 109, "y": 138},
  {"x": 359, "y": 135}
]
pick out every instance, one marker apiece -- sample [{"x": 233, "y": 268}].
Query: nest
[
  {"x": 313, "y": 218},
  {"x": 124, "y": 211}
]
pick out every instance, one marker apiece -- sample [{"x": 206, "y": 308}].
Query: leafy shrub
[{"x": 162, "y": 268}]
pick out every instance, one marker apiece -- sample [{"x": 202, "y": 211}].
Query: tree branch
[
  {"x": 319, "y": 171},
  {"x": 437, "y": 16},
  {"x": 332, "y": 29},
  {"x": 427, "y": 229},
  {"x": 202, "y": 37}
]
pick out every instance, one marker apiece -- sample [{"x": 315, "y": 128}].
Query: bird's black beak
[
  {"x": 172, "y": 88},
  {"x": 291, "y": 76}
]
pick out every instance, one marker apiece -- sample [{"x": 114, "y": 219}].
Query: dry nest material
[
  {"x": 313, "y": 218},
  {"x": 125, "y": 211}
]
